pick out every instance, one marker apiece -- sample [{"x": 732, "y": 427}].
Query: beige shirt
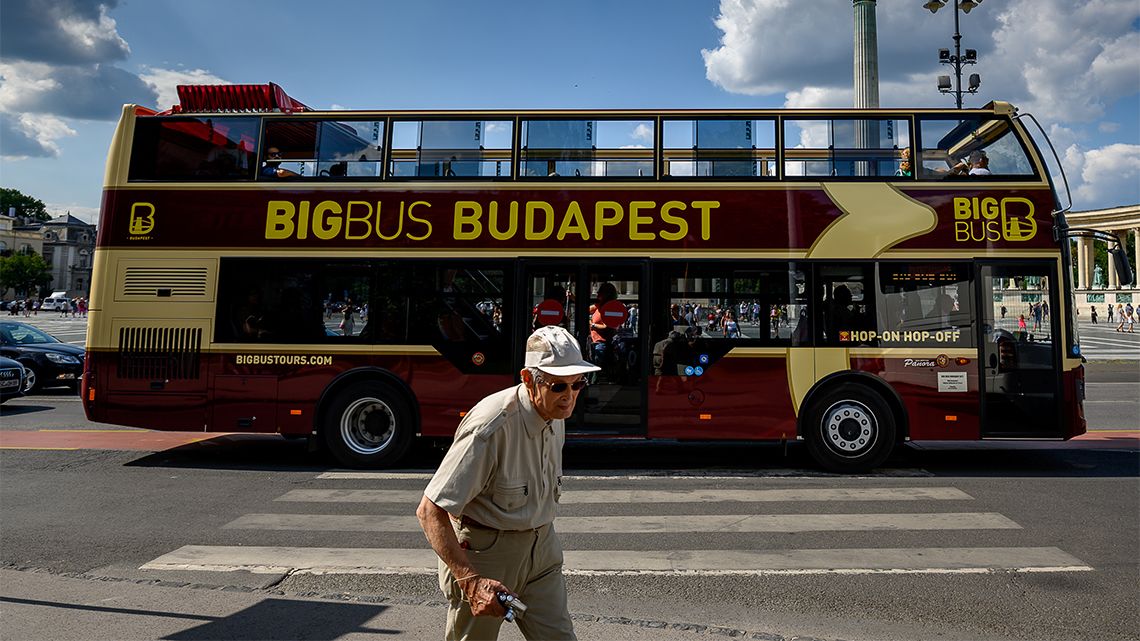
[{"x": 504, "y": 469}]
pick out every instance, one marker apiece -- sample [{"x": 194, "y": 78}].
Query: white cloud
[
  {"x": 1108, "y": 127},
  {"x": 642, "y": 132},
  {"x": 67, "y": 32},
  {"x": 58, "y": 64},
  {"x": 1107, "y": 176},
  {"x": 818, "y": 98},
  {"x": 165, "y": 82},
  {"x": 32, "y": 135}
]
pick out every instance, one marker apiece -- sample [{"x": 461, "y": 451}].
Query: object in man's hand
[{"x": 515, "y": 608}]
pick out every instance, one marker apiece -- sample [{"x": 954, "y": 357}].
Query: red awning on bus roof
[{"x": 235, "y": 99}]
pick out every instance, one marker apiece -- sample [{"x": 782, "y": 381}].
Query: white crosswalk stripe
[
  {"x": 703, "y": 562},
  {"x": 643, "y": 497},
  {"x": 590, "y": 514},
  {"x": 652, "y": 524}
]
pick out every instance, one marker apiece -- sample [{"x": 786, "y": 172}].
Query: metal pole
[{"x": 957, "y": 58}]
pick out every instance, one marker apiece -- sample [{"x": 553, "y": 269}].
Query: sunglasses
[{"x": 560, "y": 387}]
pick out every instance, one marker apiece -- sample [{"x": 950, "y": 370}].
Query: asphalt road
[{"x": 947, "y": 541}]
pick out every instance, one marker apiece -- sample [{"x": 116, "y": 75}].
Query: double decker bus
[{"x": 850, "y": 278}]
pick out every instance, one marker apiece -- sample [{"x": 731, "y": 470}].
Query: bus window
[
  {"x": 214, "y": 148},
  {"x": 976, "y": 147},
  {"x": 712, "y": 307},
  {"x": 587, "y": 149},
  {"x": 864, "y": 147},
  {"x": 846, "y": 301},
  {"x": 719, "y": 147},
  {"x": 451, "y": 149},
  {"x": 322, "y": 149},
  {"x": 925, "y": 304},
  {"x": 462, "y": 312},
  {"x": 292, "y": 301}
]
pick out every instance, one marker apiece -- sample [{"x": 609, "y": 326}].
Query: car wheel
[
  {"x": 368, "y": 424},
  {"x": 31, "y": 380},
  {"x": 850, "y": 429}
]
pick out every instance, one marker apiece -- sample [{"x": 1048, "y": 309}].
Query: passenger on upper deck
[
  {"x": 977, "y": 164},
  {"x": 904, "y": 163},
  {"x": 272, "y": 168}
]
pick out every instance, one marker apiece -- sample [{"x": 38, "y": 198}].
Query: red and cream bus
[{"x": 363, "y": 278}]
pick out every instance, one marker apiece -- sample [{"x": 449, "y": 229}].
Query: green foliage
[
  {"x": 25, "y": 205},
  {"x": 25, "y": 273}
]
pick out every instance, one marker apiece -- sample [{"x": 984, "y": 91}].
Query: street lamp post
[{"x": 957, "y": 60}]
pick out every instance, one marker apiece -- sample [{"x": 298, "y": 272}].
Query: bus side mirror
[{"x": 1123, "y": 268}]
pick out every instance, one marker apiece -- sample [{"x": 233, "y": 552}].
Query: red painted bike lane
[{"x": 154, "y": 441}]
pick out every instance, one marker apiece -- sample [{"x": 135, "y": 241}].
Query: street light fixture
[{"x": 956, "y": 60}]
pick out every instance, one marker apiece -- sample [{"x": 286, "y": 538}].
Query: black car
[
  {"x": 11, "y": 379},
  {"x": 47, "y": 361}
]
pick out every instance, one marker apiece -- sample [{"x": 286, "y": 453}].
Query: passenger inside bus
[
  {"x": 272, "y": 168},
  {"x": 248, "y": 318},
  {"x": 904, "y": 163},
  {"x": 601, "y": 334},
  {"x": 976, "y": 164}
]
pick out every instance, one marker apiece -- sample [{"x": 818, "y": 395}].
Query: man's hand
[
  {"x": 482, "y": 595},
  {"x": 480, "y": 591}
]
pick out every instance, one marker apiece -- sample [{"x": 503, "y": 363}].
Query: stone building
[
  {"x": 16, "y": 236},
  {"x": 69, "y": 249}
]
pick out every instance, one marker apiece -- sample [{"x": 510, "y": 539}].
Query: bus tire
[
  {"x": 850, "y": 428},
  {"x": 368, "y": 424}
]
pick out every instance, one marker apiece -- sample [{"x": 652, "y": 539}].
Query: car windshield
[{"x": 16, "y": 334}]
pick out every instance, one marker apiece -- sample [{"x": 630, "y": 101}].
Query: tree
[
  {"x": 25, "y": 205},
  {"x": 24, "y": 272}
]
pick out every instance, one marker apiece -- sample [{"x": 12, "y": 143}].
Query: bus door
[
  {"x": 1020, "y": 359},
  {"x": 599, "y": 302}
]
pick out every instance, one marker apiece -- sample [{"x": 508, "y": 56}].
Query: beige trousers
[{"x": 528, "y": 562}]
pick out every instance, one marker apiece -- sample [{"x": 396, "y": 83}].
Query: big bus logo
[
  {"x": 990, "y": 219},
  {"x": 142, "y": 220}
]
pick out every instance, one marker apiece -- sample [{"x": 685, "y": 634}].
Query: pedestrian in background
[{"x": 488, "y": 511}]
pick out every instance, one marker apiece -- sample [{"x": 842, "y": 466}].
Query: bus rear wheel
[
  {"x": 368, "y": 424},
  {"x": 850, "y": 429}
]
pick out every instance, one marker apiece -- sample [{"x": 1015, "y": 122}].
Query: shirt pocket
[{"x": 511, "y": 495}]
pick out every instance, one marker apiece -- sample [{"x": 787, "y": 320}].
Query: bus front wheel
[
  {"x": 850, "y": 429},
  {"x": 368, "y": 424}
]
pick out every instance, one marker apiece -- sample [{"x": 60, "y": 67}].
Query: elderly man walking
[{"x": 488, "y": 512}]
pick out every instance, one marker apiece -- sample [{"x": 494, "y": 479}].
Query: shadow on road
[
  {"x": 664, "y": 458},
  {"x": 268, "y": 619},
  {"x": 17, "y": 410}
]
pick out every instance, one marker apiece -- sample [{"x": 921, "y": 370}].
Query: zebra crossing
[
  {"x": 598, "y": 525},
  {"x": 1103, "y": 342}
]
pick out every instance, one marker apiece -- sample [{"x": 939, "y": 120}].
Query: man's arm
[{"x": 480, "y": 591}]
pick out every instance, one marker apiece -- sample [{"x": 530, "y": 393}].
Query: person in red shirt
[{"x": 601, "y": 335}]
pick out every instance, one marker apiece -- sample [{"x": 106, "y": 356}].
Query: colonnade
[{"x": 1121, "y": 222}]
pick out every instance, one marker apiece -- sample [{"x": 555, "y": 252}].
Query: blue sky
[{"x": 67, "y": 66}]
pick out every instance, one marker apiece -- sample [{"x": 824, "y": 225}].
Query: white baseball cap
[{"x": 561, "y": 355}]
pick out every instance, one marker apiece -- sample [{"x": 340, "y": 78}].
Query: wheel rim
[
  {"x": 29, "y": 379},
  {"x": 367, "y": 426},
  {"x": 850, "y": 429}
]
